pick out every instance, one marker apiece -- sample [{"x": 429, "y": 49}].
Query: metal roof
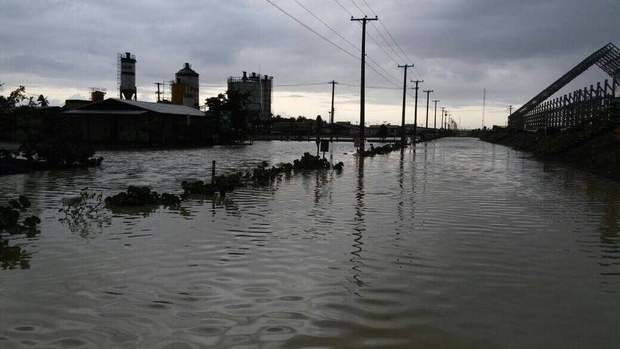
[
  {"x": 105, "y": 112},
  {"x": 163, "y": 108}
]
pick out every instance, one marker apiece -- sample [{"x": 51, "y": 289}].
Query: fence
[{"x": 580, "y": 107}]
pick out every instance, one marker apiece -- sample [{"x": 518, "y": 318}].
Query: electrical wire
[
  {"x": 388, "y": 32},
  {"x": 326, "y": 39},
  {"x": 311, "y": 30},
  {"x": 357, "y": 48}
]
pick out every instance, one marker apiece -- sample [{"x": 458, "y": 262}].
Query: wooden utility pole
[
  {"x": 435, "y": 123},
  {"x": 443, "y": 110},
  {"x": 331, "y": 113},
  {"x": 428, "y": 96},
  {"x": 403, "y": 133},
  {"x": 484, "y": 105},
  {"x": 158, "y": 93},
  {"x": 364, "y": 21},
  {"x": 415, "y": 109}
]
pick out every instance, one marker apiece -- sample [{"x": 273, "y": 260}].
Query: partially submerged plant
[
  {"x": 10, "y": 217},
  {"x": 82, "y": 211},
  {"x": 142, "y": 196}
]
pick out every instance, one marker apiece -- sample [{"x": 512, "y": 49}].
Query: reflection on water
[
  {"x": 461, "y": 244},
  {"x": 12, "y": 257}
]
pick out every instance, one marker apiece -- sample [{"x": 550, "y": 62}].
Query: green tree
[
  {"x": 14, "y": 99},
  {"x": 383, "y": 132},
  {"x": 43, "y": 102}
]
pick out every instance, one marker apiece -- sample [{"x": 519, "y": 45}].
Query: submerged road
[{"x": 462, "y": 244}]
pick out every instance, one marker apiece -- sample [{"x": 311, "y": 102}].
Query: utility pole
[
  {"x": 443, "y": 110},
  {"x": 509, "y": 113},
  {"x": 403, "y": 134},
  {"x": 415, "y": 109},
  {"x": 331, "y": 114},
  {"x": 364, "y": 21},
  {"x": 158, "y": 93},
  {"x": 435, "y": 123},
  {"x": 484, "y": 105},
  {"x": 428, "y": 96}
]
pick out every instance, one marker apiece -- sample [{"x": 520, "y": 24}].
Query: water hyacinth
[{"x": 142, "y": 196}]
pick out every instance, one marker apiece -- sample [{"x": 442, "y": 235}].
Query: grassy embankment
[{"x": 595, "y": 148}]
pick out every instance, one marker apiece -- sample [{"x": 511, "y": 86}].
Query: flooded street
[{"x": 462, "y": 244}]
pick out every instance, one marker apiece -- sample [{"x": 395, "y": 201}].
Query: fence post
[{"x": 213, "y": 172}]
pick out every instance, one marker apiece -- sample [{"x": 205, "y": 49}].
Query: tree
[
  {"x": 383, "y": 132},
  {"x": 15, "y": 98},
  {"x": 217, "y": 104},
  {"x": 232, "y": 104},
  {"x": 43, "y": 102}
]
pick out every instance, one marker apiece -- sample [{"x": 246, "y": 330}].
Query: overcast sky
[{"x": 512, "y": 48}]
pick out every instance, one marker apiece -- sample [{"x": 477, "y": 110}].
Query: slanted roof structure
[
  {"x": 128, "y": 107},
  {"x": 607, "y": 58}
]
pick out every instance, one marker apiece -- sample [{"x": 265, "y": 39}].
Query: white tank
[{"x": 127, "y": 76}]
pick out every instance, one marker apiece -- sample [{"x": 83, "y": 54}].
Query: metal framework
[{"x": 607, "y": 58}]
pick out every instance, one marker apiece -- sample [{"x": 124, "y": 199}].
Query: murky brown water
[{"x": 464, "y": 244}]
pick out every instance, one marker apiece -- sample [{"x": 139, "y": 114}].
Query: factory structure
[
  {"x": 126, "y": 76},
  {"x": 125, "y": 121},
  {"x": 258, "y": 90},
  {"x": 185, "y": 87}
]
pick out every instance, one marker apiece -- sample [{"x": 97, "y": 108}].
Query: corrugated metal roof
[
  {"x": 105, "y": 112},
  {"x": 163, "y": 108}
]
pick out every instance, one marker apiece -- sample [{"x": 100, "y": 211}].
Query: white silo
[
  {"x": 187, "y": 83},
  {"x": 127, "y": 76}
]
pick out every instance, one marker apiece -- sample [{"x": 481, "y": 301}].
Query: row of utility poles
[{"x": 445, "y": 124}]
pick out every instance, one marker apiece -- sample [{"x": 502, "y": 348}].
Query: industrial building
[
  {"x": 126, "y": 76},
  {"x": 122, "y": 122},
  {"x": 185, "y": 87},
  {"x": 258, "y": 90}
]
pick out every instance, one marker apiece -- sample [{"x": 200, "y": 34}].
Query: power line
[
  {"x": 340, "y": 36},
  {"x": 327, "y": 39},
  {"x": 381, "y": 35},
  {"x": 310, "y": 29},
  {"x": 388, "y": 32},
  {"x": 327, "y": 25},
  {"x": 371, "y": 37},
  {"x": 302, "y": 84}
]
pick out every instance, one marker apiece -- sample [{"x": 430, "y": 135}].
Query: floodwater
[{"x": 462, "y": 244}]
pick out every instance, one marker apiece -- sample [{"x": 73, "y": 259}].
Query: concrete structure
[
  {"x": 185, "y": 89},
  {"x": 127, "y": 76},
  {"x": 259, "y": 94},
  {"x": 119, "y": 122}
]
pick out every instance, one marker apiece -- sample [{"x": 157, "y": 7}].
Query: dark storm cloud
[{"x": 513, "y": 48}]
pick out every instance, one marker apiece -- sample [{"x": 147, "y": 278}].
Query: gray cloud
[{"x": 512, "y": 48}]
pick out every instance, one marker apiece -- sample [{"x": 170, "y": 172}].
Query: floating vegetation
[
  {"x": 311, "y": 162},
  {"x": 10, "y": 215},
  {"x": 385, "y": 149},
  {"x": 261, "y": 175},
  {"x": 142, "y": 196},
  {"x": 12, "y": 257},
  {"x": 82, "y": 211},
  {"x": 12, "y": 222}
]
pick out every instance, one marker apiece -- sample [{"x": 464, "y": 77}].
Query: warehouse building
[{"x": 131, "y": 123}]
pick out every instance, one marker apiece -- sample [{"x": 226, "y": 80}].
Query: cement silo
[
  {"x": 258, "y": 90},
  {"x": 127, "y": 76},
  {"x": 185, "y": 89}
]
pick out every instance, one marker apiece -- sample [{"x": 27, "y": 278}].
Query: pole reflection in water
[{"x": 359, "y": 225}]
